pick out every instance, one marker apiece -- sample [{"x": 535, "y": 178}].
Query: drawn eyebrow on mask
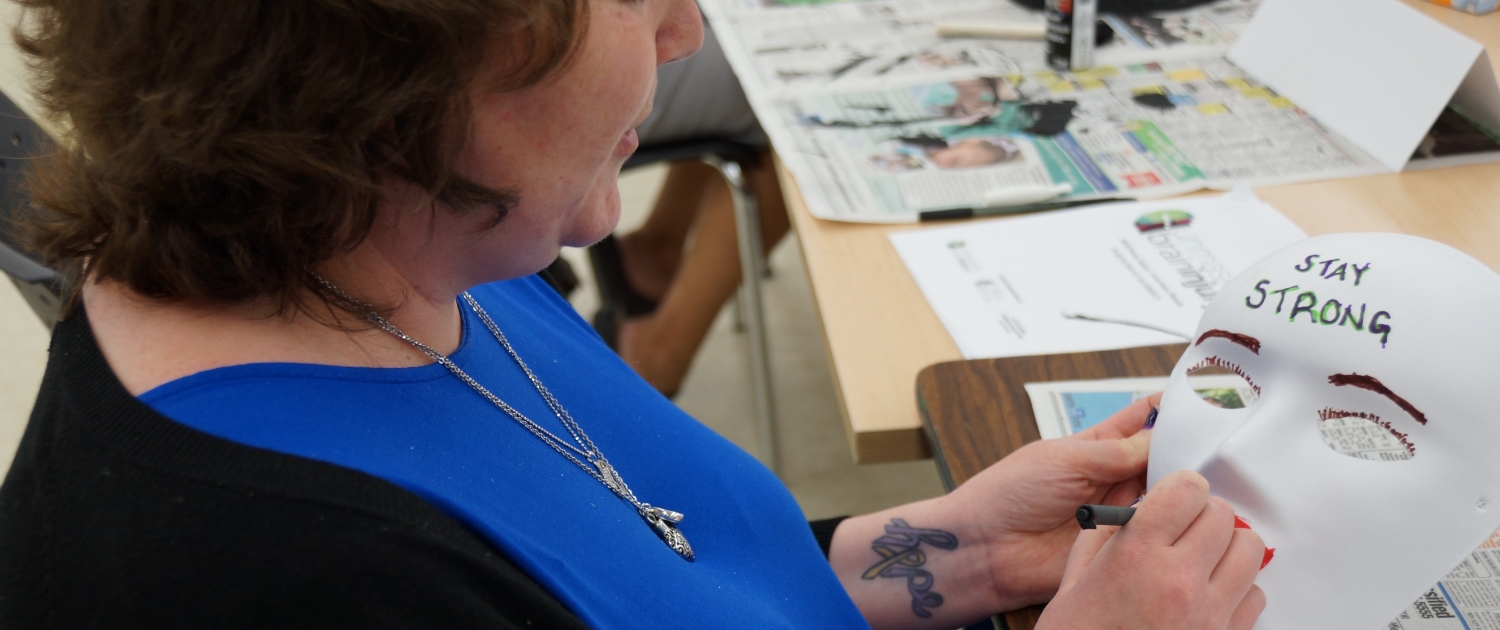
[
  {"x": 1245, "y": 340},
  {"x": 1373, "y": 384}
]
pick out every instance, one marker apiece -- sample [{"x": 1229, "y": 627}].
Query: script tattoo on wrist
[{"x": 901, "y": 556}]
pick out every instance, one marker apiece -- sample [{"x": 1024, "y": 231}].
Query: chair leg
[
  {"x": 739, "y": 314},
  {"x": 752, "y": 269}
]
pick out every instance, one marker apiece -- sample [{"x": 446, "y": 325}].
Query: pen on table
[
  {"x": 992, "y": 30},
  {"x": 967, "y": 213},
  {"x": 842, "y": 70},
  {"x": 1125, "y": 322},
  {"x": 996, "y": 209},
  {"x": 887, "y": 67},
  {"x": 1012, "y": 30},
  {"x": 1092, "y": 516},
  {"x": 1007, "y": 199}
]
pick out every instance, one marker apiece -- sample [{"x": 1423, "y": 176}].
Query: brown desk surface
[
  {"x": 880, "y": 331},
  {"x": 977, "y": 412}
]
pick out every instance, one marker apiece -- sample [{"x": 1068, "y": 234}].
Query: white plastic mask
[{"x": 1380, "y": 331}]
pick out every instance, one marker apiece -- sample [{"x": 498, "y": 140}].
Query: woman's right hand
[{"x": 1178, "y": 563}]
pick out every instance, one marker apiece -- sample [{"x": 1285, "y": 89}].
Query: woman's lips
[{"x": 628, "y": 143}]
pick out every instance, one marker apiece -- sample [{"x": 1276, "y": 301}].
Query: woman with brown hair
[{"x": 309, "y": 377}]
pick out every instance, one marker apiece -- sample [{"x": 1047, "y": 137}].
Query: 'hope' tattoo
[{"x": 901, "y": 557}]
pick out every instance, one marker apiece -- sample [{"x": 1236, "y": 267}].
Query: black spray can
[{"x": 1070, "y": 33}]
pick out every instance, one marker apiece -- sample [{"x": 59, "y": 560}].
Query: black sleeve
[
  {"x": 113, "y": 516},
  {"x": 823, "y": 531},
  {"x": 162, "y": 552}
]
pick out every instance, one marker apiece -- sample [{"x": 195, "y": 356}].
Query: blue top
[{"x": 421, "y": 428}]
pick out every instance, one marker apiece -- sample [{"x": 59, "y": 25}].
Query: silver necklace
[{"x": 662, "y": 520}]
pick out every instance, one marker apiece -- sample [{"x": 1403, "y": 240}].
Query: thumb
[
  {"x": 1088, "y": 544},
  {"x": 1113, "y": 460}
]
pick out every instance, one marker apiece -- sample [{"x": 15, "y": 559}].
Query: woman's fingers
[
  {"x": 1178, "y": 565},
  {"x": 1108, "y": 460},
  {"x": 1169, "y": 509},
  {"x": 1239, "y": 553},
  {"x": 1126, "y": 422},
  {"x": 1088, "y": 544},
  {"x": 1123, "y": 493},
  {"x": 1208, "y": 536},
  {"x": 1244, "y": 616},
  {"x": 1241, "y": 561},
  {"x": 1115, "y": 449}
]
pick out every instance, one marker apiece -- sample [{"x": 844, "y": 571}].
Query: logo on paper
[
  {"x": 1163, "y": 219},
  {"x": 1183, "y": 250}
]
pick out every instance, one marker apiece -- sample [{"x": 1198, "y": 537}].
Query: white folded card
[{"x": 1376, "y": 71}]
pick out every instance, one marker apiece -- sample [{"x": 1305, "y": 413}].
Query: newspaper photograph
[{"x": 1468, "y": 598}]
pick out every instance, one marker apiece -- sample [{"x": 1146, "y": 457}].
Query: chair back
[{"x": 21, "y": 138}]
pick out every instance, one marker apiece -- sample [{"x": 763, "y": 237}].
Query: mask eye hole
[
  {"x": 1222, "y": 384},
  {"x": 1363, "y": 435}
]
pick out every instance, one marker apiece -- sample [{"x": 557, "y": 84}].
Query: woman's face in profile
[{"x": 560, "y": 144}]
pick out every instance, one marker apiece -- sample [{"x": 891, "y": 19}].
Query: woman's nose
[{"x": 681, "y": 32}]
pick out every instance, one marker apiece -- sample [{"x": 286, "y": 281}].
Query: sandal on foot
[
  {"x": 609, "y": 274},
  {"x": 606, "y": 322}
]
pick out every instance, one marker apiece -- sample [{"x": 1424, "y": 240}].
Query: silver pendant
[{"x": 663, "y": 520}]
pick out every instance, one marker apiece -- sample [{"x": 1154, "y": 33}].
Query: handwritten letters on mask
[{"x": 1338, "y": 276}]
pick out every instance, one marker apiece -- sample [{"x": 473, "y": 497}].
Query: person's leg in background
[
  {"x": 652, "y": 253},
  {"x": 697, "y": 98},
  {"x": 661, "y": 346}
]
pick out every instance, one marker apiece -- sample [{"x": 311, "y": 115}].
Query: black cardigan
[{"x": 115, "y": 516}]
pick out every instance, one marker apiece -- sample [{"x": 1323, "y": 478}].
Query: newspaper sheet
[
  {"x": 1468, "y": 598},
  {"x": 879, "y": 119},
  {"x": 1140, "y": 130},
  {"x": 786, "y": 45}
]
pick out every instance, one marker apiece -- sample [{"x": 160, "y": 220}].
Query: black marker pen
[
  {"x": 967, "y": 213},
  {"x": 1070, "y": 33},
  {"x": 1092, "y": 516}
]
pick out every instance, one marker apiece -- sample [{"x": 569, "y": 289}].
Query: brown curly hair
[{"x": 217, "y": 150}]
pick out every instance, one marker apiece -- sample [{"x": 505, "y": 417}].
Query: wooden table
[
  {"x": 976, "y": 412},
  {"x": 880, "y": 331}
]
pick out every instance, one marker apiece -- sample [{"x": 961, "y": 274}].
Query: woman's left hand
[
  {"x": 1010, "y": 528},
  {"x": 1022, "y": 508}
]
